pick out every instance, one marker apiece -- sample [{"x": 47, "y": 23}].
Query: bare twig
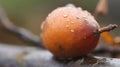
[
  {"x": 20, "y": 32},
  {"x": 107, "y": 28}
]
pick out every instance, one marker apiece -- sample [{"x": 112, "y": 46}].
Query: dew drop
[
  {"x": 65, "y": 16},
  {"x": 72, "y": 22},
  {"x": 80, "y": 9},
  {"x": 72, "y": 30},
  {"x": 60, "y": 9},
  {"x": 86, "y": 21},
  {"x": 84, "y": 16},
  {"x": 67, "y": 26}
]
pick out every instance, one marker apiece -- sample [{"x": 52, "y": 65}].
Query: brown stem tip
[{"x": 106, "y": 28}]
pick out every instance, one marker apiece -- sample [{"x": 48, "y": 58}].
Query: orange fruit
[{"x": 69, "y": 32}]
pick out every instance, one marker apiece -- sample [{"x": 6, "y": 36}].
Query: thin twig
[
  {"x": 20, "y": 32},
  {"x": 107, "y": 28}
]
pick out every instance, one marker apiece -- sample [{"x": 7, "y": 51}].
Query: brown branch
[
  {"x": 20, "y": 32},
  {"x": 106, "y": 29},
  {"x": 18, "y": 56},
  {"x": 107, "y": 49}
]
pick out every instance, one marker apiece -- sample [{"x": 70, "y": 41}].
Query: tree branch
[
  {"x": 18, "y": 56},
  {"x": 20, "y": 32}
]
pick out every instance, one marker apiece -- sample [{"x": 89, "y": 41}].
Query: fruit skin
[{"x": 69, "y": 32}]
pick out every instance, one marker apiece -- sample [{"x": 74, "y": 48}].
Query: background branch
[
  {"x": 18, "y": 56},
  {"x": 20, "y": 32}
]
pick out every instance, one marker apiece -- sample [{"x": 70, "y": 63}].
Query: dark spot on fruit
[
  {"x": 60, "y": 47},
  {"x": 96, "y": 33}
]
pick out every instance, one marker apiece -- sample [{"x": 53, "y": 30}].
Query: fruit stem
[{"x": 106, "y": 28}]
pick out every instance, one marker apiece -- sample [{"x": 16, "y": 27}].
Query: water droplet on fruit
[
  {"x": 72, "y": 22},
  {"x": 60, "y": 9},
  {"x": 84, "y": 16},
  {"x": 65, "y": 16},
  {"x": 70, "y": 5},
  {"x": 86, "y": 21},
  {"x": 67, "y": 26},
  {"x": 72, "y": 30},
  {"x": 80, "y": 9}
]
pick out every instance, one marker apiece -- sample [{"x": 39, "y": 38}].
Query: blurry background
[{"x": 30, "y": 13}]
